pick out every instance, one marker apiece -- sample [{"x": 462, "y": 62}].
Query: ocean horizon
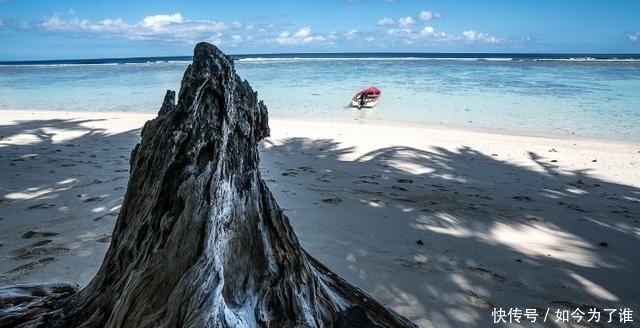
[
  {"x": 562, "y": 95},
  {"x": 593, "y": 57}
]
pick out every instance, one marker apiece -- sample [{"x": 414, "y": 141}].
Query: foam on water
[{"x": 582, "y": 96}]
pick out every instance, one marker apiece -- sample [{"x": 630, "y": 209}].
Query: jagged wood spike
[{"x": 200, "y": 240}]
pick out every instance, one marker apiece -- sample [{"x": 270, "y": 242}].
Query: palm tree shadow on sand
[
  {"x": 444, "y": 236},
  {"x": 63, "y": 185},
  {"x": 441, "y": 236}
]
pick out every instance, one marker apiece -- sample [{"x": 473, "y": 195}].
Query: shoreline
[
  {"x": 441, "y": 225},
  {"x": 364, "y": 121},
  {"x": 368, "y": 116},
  {"x": 380, "y": 123}
]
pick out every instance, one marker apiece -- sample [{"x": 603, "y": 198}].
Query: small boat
[{"x": 367, "y": 97}]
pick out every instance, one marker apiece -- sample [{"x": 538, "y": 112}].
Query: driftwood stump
[{"x": 200, "y": 241}]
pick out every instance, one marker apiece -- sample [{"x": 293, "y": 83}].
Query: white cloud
[
  {"x": 473, "y": 36},
  {"x": 400, "y": 32},
  {"x": 404, "y": 35},
  {"x": 385, "y": 21},
  {"x": 351, "y": 35},
  {"x": 424, "y": 16},
  {"x": 55, "y": 23},
  {"x": 428, "y": 30},
  {"x": 174, "y": 28},
  {"x": 266, "y": 28},
  {"x": 470, "y": 35},
  {"x": 428, "y": 15},
  {"x": 633, "y": 36},
  {"x": 303, "y": 35},
  {"x": 171, "y": 27},
  {"x": 403, "y": 31},
  {"x": 406, "y": 21},
  {"x": 429, "y": 34},
  {"x": 156, "y": 22},
  {"x": 236, "y": 39},
  {"x": 303, "y": 32}
]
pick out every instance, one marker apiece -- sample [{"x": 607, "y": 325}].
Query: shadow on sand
[
  {"x": 62, "y": 185},
  {"x": 444, "y": 237},
  {"x": 441, "y": 236}
]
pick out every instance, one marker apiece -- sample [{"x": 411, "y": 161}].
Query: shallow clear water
[
  {"x": 534, "y": 96},
  {"x": 126, "y": 87}
]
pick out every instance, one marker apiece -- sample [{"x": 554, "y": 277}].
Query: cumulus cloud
[
  {"x": 352, "y": 34},
  {"x": 473, "y": 36},
  {"x": 428, "y": 15},
  {"x": 423, "y": 16},
  {"x": 400, "y": 32},
  {"x": 428, "y": 30},
  {"x": 406, "y": 21},
  {"x": 236, "y": 25},
  {"x": 177, "y": 28},
  {"x": 157, "y": 22},
  {"x": 236, "y": 39},
  {"x": 385, "y": 21},
  {"x": 266, "y": 28},
  {"x": 633, "y": 36},
  {"x": 166, "y": 27},
  {"x": 303, "y": 35},
  {"x": 404, "y": 28},
  {"x": 114, "y": 26},
  {"x": 303, "y": 32},
  {"x": 408, "y": 35}
]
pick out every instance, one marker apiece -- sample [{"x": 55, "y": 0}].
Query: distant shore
[{"x": 441, "y": 225}]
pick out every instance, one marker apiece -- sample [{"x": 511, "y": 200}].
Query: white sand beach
[{"x": 441, "y": 225}]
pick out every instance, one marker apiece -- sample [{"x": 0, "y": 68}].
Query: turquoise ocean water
[{"x": 586, "y": 96}]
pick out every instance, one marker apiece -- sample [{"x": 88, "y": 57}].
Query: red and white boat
[{"x": 367, "y": 97}]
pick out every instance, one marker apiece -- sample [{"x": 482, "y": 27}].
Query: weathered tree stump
[{"x": 200, "y": 241}]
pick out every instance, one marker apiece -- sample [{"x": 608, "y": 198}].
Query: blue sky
[{"x": 66, "y": 29}]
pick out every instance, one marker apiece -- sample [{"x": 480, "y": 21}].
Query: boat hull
[
  {"x": 366, "y": 98},
  {"x": 368, "y": 104}
]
